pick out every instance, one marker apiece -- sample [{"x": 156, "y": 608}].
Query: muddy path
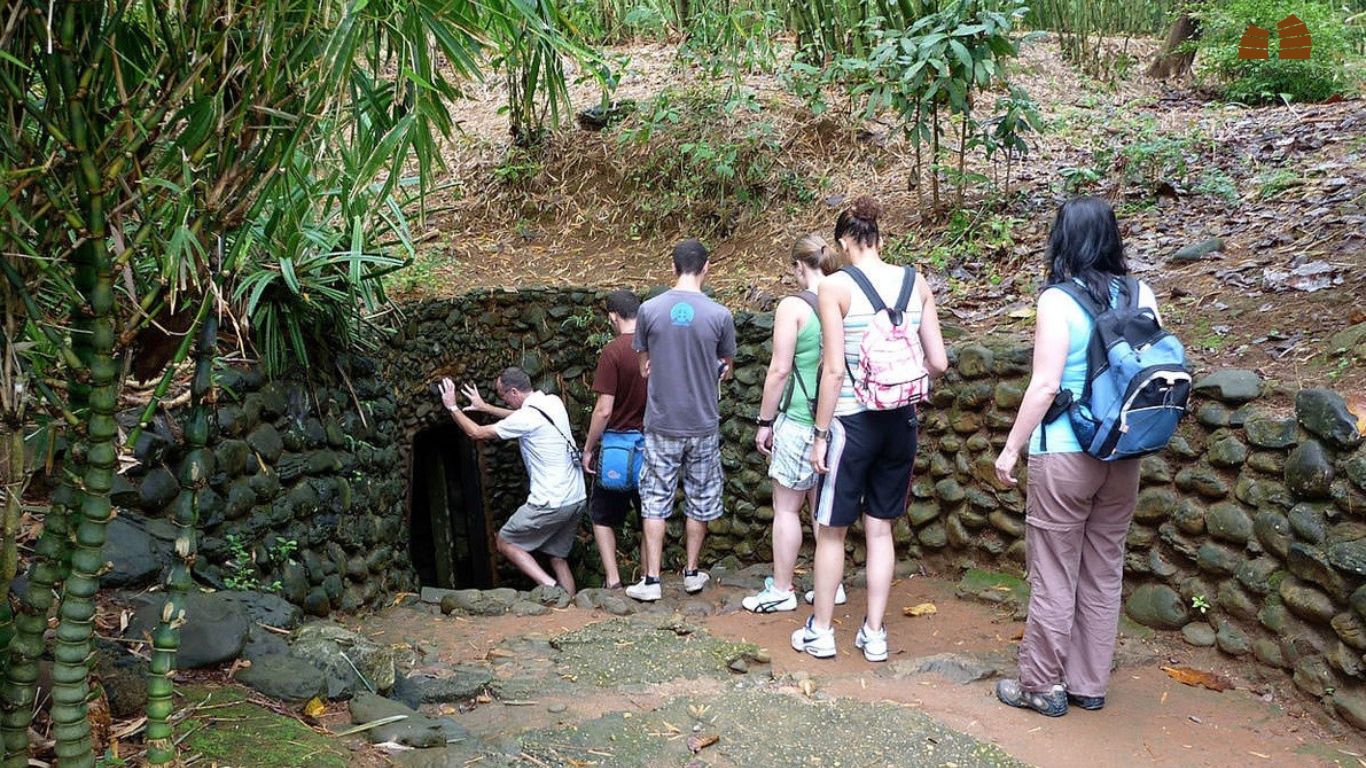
[{"x": 581, "y": 687}]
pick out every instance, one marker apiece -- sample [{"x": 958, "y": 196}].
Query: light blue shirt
[{"x": 1061, "y": 438}]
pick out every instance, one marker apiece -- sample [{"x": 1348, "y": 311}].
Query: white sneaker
[
  {"x": 840, "y": 597},
  {"x": 695, "y": 582},
  {"x": 770, "y": 600},
  {"x": 817, "y": 642},
  {"x": 645, "y": 592},
  {"x": 874, "y": 644}
]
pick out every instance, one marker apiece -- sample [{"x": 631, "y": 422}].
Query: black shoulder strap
[
  {"x": 1131, "y": 287},
  {"x": 573, "y": 446},
  {"x": 1082, "y": 297},
  {"x": 907, "y": 287},
  {"x": 810, "y": 298},
  {"x": 867, "y": 287}
]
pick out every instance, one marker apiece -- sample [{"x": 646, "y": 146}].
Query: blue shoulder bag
[{"x": 620, "y": 459}]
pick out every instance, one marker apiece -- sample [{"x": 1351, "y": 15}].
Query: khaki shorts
[{"x": 551, "y": 530}]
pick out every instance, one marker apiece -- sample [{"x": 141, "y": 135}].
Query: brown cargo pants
[{"x": 1078, "y": 515}]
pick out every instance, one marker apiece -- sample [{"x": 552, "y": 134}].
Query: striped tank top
[{"x": 887, "y": 280}]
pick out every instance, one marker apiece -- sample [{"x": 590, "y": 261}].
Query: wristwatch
[
  {"x": 820, "y": 434},
  {"x": 763, "y": 422}
]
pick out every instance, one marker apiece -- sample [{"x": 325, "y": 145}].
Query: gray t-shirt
[{"x": 687, "y": 335}]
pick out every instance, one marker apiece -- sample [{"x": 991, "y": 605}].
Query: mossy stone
[
  {"x": 975, "y": 361},
  {"x": 1155, "y": 505},
  {"x": 1228, "y": 522},
  {"x": 1307, "y": 602},
  {"x": 1271, "y": 432},
  {"x": 1216, "y": 558},
  {"x": 1008, "y": 396},
  {"x": 1202, "y": 480},
  {"x": 1228, "y": 452},
  {"x": 1324, "y": 413},
  {"x": 921, "y": 513},
  {"x": 1255, "y": 574},
  {"x": 1157, "y": 606},
  {"x": 1311, "y": 564},
  {"x": 1199, "y": 634},
  {"x": 1308, "y": 471},
  {"x": 1154, "y": 470},
  {"x": 1351, "y": 629},
  {"x": 1349, "y": 557},
  {"x": 1268, "y": 652},
  {"x": 948, "y": 490},
  {"x": 1232, "y": 640},
  {"x": 1006, "y": 523},
  {"x": 1231, "y": 385},
  {"x": 1267, "y": 461},
  {"x": 1189, "y": 516},
  {"x": 1213, "y": 415},
  {"x": 1309, "y": 522},
  {"x": 1273, "y": 531},
  {"x": 1234, "y": 601},
  {"x": 933, "y": 536}
]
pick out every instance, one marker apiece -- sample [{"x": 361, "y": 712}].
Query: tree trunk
[{"x": 1176, "y": 58}]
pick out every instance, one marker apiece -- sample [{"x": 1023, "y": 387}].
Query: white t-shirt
[{"x": 556, "y": 479}]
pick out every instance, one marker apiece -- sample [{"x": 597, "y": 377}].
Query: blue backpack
[
  {"x": 620, "y": 460},
  {"x": 1137, "y": 384}
]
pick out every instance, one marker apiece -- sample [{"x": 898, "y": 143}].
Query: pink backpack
[{"x": 891, "y": 361}]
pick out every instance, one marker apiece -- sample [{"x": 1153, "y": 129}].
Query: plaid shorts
[
  {"x": 790, "y": 465},
  {"x": 698, "y": 459}
]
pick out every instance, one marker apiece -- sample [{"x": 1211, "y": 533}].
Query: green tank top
[{"x": 806, "y": 361}]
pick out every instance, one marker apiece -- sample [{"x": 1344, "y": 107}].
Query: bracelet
[
  {"x": 820, "y": 434},
  {"x": 764, "y": 422}
]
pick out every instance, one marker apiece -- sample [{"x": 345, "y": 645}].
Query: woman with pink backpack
[{"x": 882, "y": 347}]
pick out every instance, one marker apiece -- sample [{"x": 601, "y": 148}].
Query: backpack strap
[
  {"x": 810, "y": 298},
  {"x": 1132, "y": 288},
  {"x": 903, "y": 302},
  {"x": 867, "y": 287}
]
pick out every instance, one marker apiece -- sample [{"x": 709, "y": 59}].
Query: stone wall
[
  {"x": 1250, "y": 532},
  {"x": 312, "y": 463}
]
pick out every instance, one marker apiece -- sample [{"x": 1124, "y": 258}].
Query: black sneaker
[
  {"x": 1091, "y": 703},
  {"x": 1052, "y": 704}
]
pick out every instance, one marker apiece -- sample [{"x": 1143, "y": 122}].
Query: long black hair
[{"x": 1085, "y": 244}]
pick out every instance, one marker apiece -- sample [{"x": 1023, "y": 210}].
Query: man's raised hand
[{"x": 476, "y": 401}]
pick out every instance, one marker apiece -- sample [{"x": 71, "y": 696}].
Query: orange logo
[{"x": 1296, "y": 43}]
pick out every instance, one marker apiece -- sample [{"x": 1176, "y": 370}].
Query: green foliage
[
  {"x": 246, "y": 572},
  {"x": 706, "y": 155},
  {"x": 971, "y": 236},
  {"x": 1200, "y": 603},
  {"x": 1273, "y": 182},
  {"x": 1334, "y": 66},
  {"x": 930, "y": 71}
]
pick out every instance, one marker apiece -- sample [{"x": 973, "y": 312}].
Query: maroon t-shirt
[{"x": 618, "y": 375}]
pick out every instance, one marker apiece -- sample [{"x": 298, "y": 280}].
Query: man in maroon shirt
[{"x": 620, "y": 408}]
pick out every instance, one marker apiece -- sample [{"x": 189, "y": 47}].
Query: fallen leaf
[
  {"x": 924, "y": 609},
  {"x": 315, "y": 707},
  {"x": 1198, "y": 678},
  {"x": 1356, "y": 405},
  {"x": 698, "y": 742}
]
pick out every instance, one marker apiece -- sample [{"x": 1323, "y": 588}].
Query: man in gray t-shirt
[{"x": 686, "y": 343}]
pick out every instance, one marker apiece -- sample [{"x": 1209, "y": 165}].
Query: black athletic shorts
[
  {"x": 610, "y": 508},
  {"x": 870, "y": 455}
]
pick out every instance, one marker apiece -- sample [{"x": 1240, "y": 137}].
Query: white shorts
[{"x": 790, "y": 465}]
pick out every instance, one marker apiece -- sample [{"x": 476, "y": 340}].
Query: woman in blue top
[{"x": 1079, "y": 507}]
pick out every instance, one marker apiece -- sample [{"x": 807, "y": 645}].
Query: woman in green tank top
[{"x": 786, "y": 418}]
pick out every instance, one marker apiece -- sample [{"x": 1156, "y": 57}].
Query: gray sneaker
[
  {"x": 695, "y": 581},
  {"x": 1052, "y": 704}
]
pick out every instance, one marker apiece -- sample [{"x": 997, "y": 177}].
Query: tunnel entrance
[{"x": 451, "y": 541}]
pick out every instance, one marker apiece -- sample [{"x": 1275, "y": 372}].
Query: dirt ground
[{"x": 1149, "y": 718}]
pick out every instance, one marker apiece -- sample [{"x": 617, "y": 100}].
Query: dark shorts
[
  {"x": 551, "y": 530},
  {"x": 870, "y": 458},
  {"x": 610, "y": 508}
]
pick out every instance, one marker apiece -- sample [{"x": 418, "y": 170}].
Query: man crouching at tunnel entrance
[{"x": 549, "y": 520}]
